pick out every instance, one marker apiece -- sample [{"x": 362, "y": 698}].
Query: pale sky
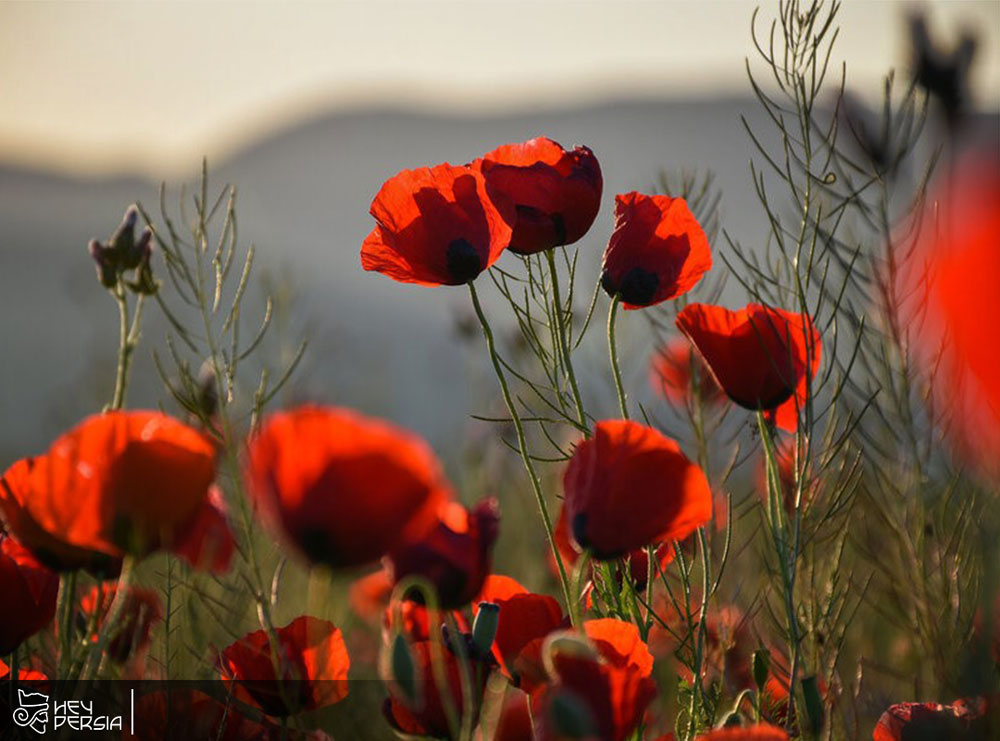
[{"x": 150, "y": 87}]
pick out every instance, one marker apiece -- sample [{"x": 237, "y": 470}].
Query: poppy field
[{"x": 798, "y": 537}]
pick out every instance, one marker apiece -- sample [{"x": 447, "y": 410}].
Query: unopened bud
[
  {"x": 106, "y": 272},
  {"x": 814, "y": 705},
  {"x": 761, "y": 666},
  {"x": 403, "y": 668},
  {"x": 484, "y": 628}
]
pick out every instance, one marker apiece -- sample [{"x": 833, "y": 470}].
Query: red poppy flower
[
  {"x": 628, "y": 486},
  {"x": 515, "y": 718},
  {"x": 207, "y": 541},
  {"x": 758, "y": 732},
  {"x": 455, "y": 557},
  {"x": 607, "y": 690},
  {"x": 344, "y": 488},
  {"x": 758, "y": 355},
  {"x": 416, "y": 622},
  {"x": 29, "y": 589},
  {"x": 423, "y": 713},
  {"x": 675, "y": 370},
  {"x": 525, "y": 619},
  {"x": 556, "y": 193},
  {"x": 312, "y": 667},
  {"x": 638, "y": 560},
  {"x": 141, "y": 611},
  {"x": 657, "y": 251},
  {"x": 120, "y": 482},
  {"x": 961, "y": 721},
  {"x": 23, "y": 675},
  {"x": 369, "y": 594},
  {"x": 437, "y": 226},
  {"x": 951, "y": 280}
]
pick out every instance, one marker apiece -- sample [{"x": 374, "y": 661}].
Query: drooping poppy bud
[
  {"x": 455, "y": 557},
  {"x": 628, "y": 486},
  {"x": 557, "y": 193},
  {"x": 311, "y": 673},
  {"x": 761, "y": 357},
  {"x": 436, "y": 226},
  {"x": 343, "y": 488},
  {"x": 29, "y": 589},
  {"x": 657, "y": 251}
]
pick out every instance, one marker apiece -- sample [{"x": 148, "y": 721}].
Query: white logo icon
[{"x": 33, "y": 710}]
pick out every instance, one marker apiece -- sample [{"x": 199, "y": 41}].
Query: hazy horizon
[{"x": 184, "y": 80}]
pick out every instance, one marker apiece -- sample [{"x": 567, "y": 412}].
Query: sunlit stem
[
  {"x": 563, "y": 339},
  {"x": 787, "y": 561},
  {"x": 613, "y": 351},
  {"x": 128, "y": 337},
  {"x": 112, "y": 621},
  {"x": 523, "y": 447}
]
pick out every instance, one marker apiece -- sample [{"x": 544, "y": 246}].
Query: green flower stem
[
  {"x": 613, "y": 350},
  {"x": 128, "y": 338},
  {"x": 523, "y": 448},
  {"x": 563, "y": 339}
]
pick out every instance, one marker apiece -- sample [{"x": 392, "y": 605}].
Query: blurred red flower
[
  {"x": 23, "y": 675},
  {"x": 556, "y": 193},
  {"x": 141, "y": 610},
  {"x": 676, "y": 371},
  {"x": 311, "y": 672},
  {"x": 757, "y": 732},
  {"x": 455, "y": 557},
  {"x": 29, "y": 589},
  {"x": 436, "y": 226},
  {"x": 344, "y": 488},
  {"x": 758, "y": 355},
  {"x": 913, "y": 721},
  {"x": 525, "y": 619},
  {"x": 606, "y": 688},
  {"x": 369, "y": 594},
  {"x": 657, "y": 251},
  {"x": 207, "y": 541},
  {"x": 117, "y": 483},
  {"x": 628, "y": 486},
  {"x": 423, "y": 713},
  {"x": 638, "y": 560},
  {"x": 514, "y": 723},
  {"x": 953, "y": 275}
]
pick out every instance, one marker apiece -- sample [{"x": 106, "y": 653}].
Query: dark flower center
[
  {"x": 464, "y": 262},
  {"x": 638, "y": 287}
]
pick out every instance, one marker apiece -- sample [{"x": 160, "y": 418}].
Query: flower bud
[
  {"x": 403, "y": 668},
  {"x": 484, "y": 628},
  {"x": 761, "y": 665}
]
